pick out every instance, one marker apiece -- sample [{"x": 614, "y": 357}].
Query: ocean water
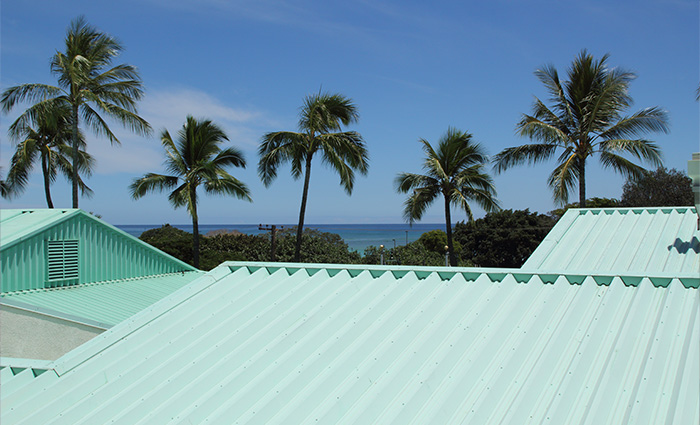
[{"x": 357, "y": 236}]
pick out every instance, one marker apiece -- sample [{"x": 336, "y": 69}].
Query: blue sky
[{"x": 412, "y": 68}]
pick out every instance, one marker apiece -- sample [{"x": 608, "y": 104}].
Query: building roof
[
  {"x": 294, "y": 343},
  {"x": 622, "y": 241},
  {"x": 46, "y": 248},
  {"x": 19, "y": 224},
  {"x": 100, "y": 304}
]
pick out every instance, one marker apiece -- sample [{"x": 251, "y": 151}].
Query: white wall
[{"x": 30, "y": 335}]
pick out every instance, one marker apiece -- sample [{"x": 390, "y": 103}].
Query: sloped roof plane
[
  {"x": 99, "y": 304},
  {"x": 622, "y": 241},
  {"x": 293, "y": 343}
]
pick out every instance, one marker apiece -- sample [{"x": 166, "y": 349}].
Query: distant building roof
[
  {"x": 294, "y": 343},
  {"x": 622, "y": 241}
]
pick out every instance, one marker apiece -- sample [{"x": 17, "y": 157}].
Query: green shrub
[
  {"x": 436, "y": 241},
  {"x": 502, "y": 239},
  {"x": 317, "y": 247},
  {"x": 171, "y": 240}
]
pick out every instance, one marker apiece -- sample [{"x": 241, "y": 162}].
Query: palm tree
[
  {"x": 195, "y": 159},
  {"x": 87, "y": 87},
  {"x": 586, "y": 119},
  {"x": 456, "y": 171},
  {"x": 320, "y": 121},
  {"x": 47, "y": 138}
]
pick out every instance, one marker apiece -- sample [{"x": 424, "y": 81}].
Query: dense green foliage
[
  {"x": 585, "y": 120},
  {"x": 317, "y": 247},
  {"x": 428, "y": 250},
  {"x": 455, "y": 172},
  {"x": 171, "y": 240},
  {"x": 320, "y": 120},
  {"x": 502, "y": 239},
  {"x": 413, "y": 254},
  {"x": 660, "y": 188},
  {"x": 436, "y": 241}
]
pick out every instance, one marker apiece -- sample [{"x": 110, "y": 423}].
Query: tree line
[{"x": 587, "y": 118}]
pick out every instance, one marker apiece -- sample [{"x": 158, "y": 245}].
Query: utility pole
[{"x": 273, "y": 241}]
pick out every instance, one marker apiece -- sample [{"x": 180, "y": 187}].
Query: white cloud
[{"x": 168, "y": 109}]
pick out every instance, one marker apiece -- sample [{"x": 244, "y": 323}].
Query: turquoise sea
[{"x": 357, "y": 236}]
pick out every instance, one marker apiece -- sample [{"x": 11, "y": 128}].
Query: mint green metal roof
[
  {"x": 622, "y": 241},
  {"x": 100, "y": 251},
  {"x": 19, "y": 224},
  {"x": 293, "y": 343},
  {"x": 102, "y": 304}
]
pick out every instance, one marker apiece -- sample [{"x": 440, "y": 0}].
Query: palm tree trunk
[
  {"x": 195, "y": 229},
  {"x": 74, "y": 126},
  {"x": 448, "y": 230},
  {"x": 47, "y": 180},
  {"x": 302, "y": 211},
  {"x": 582, "y": 183}
]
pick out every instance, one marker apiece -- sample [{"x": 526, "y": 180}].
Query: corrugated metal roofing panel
[
  {"x": 622, "y": 241},
  {"x": 331, "y": 344},
  {"x": 103, "y": 251},
  {"x": 17, "y": 224},
  {"x": 103, "y": 304}
]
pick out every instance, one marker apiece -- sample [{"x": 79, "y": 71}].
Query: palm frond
[
  {"x": 645, "y": 150},
  {"x": 152, "y": 182},
  {"x": 181, "y": 196},
  {"x": 326, "y": 112},
  {"x": 174, "y": 162},
  {"x": 647, "y": 120},
  {"x": 419, "y": 201},
  {"x": 549, "y": 77},
  {"x": 563, "y": 179},
  {"x": 556, "y": 133},
  {"x": 532, "y": 153},
  {"x": 406, "y": 182},
  {"x": 126, "y": 117},
  {"x": 279, "y": 147},
  {"x": 28, "y": 93},
  {"x": 229, "y": 157},
  {"x": 21, "y": 165},
  {"x": 226, "y": 184},
  {"x": 625, "y": 167},
  {"x": 338, "y": 163},
  {"x": 348, "y": 145},
  {"x": 98, "y": 125}
]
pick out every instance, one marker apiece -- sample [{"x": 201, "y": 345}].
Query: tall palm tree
[
  {"x": 456, "y": 171},
  {"x": 195, "y": 159},
  {"x": 320, "y": 121},
  {"x": 88, "y": 85},
  {"x": 586, "y": 119},
  {"x": 46, "y": 138}
]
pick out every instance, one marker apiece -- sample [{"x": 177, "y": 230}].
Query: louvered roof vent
[{"x": 62, "y": 256}]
